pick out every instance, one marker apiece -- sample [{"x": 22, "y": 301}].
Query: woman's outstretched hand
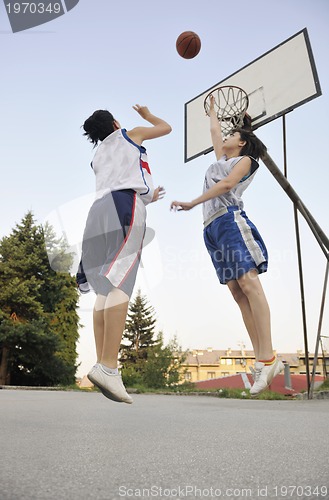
[
  {"x": 181, "y": 205},
  {"x": 143, "y": 111}
]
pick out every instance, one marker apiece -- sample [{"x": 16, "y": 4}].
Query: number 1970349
[{"x": 34, "y": 8}]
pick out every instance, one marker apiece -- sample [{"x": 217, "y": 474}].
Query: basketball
[{"x": 188, "y": 44}]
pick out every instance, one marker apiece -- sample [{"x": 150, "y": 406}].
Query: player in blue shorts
[
  {"x": 235, "y": 246},
  {"x": 114, "y": 233}
]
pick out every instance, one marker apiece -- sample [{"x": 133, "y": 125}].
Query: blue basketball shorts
[
  {"x": 235, "y": 245},
  {"x": 112, "y": 243}
]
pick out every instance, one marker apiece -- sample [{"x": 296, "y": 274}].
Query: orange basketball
[{"x": 188, "y": 44}]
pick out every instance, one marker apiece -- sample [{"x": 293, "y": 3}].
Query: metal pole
[
  {"x": 319, "y": 234},
  {"x": 300, "y": 267},
  {"x": 285, "y": 168},
  {"x": 303, "y": 210},
  {"x": 316, "y": 229},
  {"x": 324, "y": 362},
  {"x": 287, "y": 377},
  {"x": 318, "y": 339},
  {"x": 302, "y": 295}
]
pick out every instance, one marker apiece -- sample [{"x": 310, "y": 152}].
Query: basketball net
[{"x": 231, "y": 104}]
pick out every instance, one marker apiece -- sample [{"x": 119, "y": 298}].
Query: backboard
[{"x": 276, "y": 83}]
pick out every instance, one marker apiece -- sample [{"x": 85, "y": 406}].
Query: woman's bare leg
[
  {"x": 115, "y": 314},
  {"x": 247, "y": 316},
  {"x": 253, "y": 290}
]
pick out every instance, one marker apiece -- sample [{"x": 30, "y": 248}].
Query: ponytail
[
  {"x": 98, "y": 126},
  {"x": 254, "y": 146}
]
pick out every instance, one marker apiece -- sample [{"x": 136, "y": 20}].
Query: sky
[{"x": 112, "y": 55}]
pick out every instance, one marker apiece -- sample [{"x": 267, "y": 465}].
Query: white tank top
[
  {"x": 119, "y": 163},
  {"x": 218, "y": 171}
]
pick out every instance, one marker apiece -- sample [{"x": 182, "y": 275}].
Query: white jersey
[
  {"x": 218, "y": 171},
  {"x": 119, "y": 163}
]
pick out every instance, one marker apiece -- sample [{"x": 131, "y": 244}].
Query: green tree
[
  {"x": 162, "y": 368},
  {"x": 139, "y": 332},
  {"x": 146, "y": 359},
  {"x": 31, "y": 350},
  {"x": 60, "y": 297},
  {"x": 38, "y": 317}
]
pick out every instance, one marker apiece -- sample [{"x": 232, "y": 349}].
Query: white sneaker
[
  {"x": 111, "y": 385},
  {"x": 264, "y": 374}
]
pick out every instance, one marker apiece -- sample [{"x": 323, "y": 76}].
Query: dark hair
[
  {"x": 254, "y": 146},
  {"x": 98, "y": 126}
]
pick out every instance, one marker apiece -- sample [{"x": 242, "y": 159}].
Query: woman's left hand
[{"x": 159, "y": 193}]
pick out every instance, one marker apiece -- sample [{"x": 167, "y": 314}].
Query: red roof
[{"x": 298, "y": 383}]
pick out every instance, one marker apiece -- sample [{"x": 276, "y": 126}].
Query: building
[{"x": 207, "y": 364}]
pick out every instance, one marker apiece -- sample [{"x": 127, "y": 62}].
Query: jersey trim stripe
[
  {"x": 125, "y": 240},
  {"x": 125, "y": 135},
  {"x": 132, "y": 265},
  {"x": 142, "y": 174},
  {"x": 250, "y": 242},
  {"x": 142, "y": 150},
  {"x": 129, "y": 251}
]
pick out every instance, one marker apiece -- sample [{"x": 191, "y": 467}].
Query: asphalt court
[{"x": 77, "y": 445}]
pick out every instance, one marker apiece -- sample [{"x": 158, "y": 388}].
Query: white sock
[{"x": 111, "y": 371}]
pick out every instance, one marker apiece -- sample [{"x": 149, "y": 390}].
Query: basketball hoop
[{"x": 231, "y": 104}]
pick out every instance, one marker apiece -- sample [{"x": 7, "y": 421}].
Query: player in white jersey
[
  {"x": 114, "y": 233},
  {"x": 236, "y": 248}
]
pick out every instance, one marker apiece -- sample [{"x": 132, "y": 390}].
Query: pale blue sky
[{"x": 114, "y": 54}]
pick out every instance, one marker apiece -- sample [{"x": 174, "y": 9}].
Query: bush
[
  {"x": 132, "y": 375},
  {"x": 324, "y": 386},
  {"x": 271, "y": 395}
]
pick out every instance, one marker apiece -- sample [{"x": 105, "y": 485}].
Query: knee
[
  {"x": 250, "y": 285},
  {"x": 238, "y": 295},
  {"x": 244, "y": 287},
  {"x": 116, "y": 297},
  {"x": 99, "y": 303}
]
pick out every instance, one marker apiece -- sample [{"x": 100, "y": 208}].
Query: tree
[
  {"x": 38, "y": 318},
  {"x": 31, "y": 350},
  {"x": 162, "y": 368},
  {"x": 139, "y": 331},
  {"x": 60, "y": 297},
  {"x": 146, "y": 359}
]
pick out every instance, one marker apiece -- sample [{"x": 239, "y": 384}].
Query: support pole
[
  {"x": 302, "y": 296},
  {"x": 314, "y": 226},
  {"x": 321, "y": 238},
  {"x": 318, "y": 339},
  {"x": 285, "y": 168}
]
